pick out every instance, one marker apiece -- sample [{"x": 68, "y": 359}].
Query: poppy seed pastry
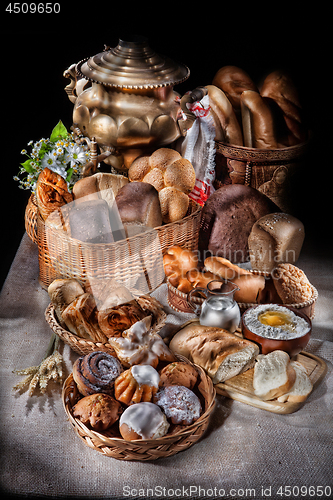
[
  {"x": 99, "y": 411},
  {"x": 227, "y": 219},
  {"x": 275, "y": 238},
  {"x": 143, "y": 421},
  {"x": 179, "y": 404},
  {"x": 96, "y": 372}
]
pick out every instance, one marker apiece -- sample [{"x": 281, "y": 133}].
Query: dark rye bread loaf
[{"x": 227, "y": 219}]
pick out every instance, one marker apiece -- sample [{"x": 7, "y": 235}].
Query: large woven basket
[
  {"x": 270, "y": 171},
  {"x": 150, "y": 449},
  {"x": 30, "y": 218},
  {"x": 86, "y": 346},
  {"x": 63, "y": 257}
]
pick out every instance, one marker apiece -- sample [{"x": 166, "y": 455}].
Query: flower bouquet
[{"x": 59, "y": 153}]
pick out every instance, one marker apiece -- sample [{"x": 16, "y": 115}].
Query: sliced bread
[
  {"x": 301, "y": 388},
  {"x": 273, "y": 375}
]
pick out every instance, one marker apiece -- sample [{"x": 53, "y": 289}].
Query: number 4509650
[{"x": 33, "y": 8}]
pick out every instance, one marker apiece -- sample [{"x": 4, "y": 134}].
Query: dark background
[{"x": 36, "y": 49}]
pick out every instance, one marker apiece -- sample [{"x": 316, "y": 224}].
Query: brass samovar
[{"x": 124, "y": 99}]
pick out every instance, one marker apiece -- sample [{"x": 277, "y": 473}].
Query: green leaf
[
  {"x": 59, "y": 132},
  {"x": 26, "y": 165},
  {"x": 69, "y": 174}
]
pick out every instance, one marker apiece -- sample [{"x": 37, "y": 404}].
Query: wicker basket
[
  {"x": 151, "y": 449},
  {"x": 178, "y": 300},
  {"x": 85, "y": 346},
  {"x": 63, "y": 257},
  {"x": 267, "y": 170},
  {"x": 30, "y": 218}
]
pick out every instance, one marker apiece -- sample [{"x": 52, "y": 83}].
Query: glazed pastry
[
  {"x": 98, "y": 411},
  {"x": 143, "y": 421},
  {"x": 179, "y": 404},
  {"x": 291, "y": 284},
  {"x": 140, "y": 345},
  {"x": 179, "y": 373},
  {"x": 96, "y": 372},
  {"x": 51, "y": 192},
  {"x": 80, "y": 317},
  {"x": 137, "y": 384}
]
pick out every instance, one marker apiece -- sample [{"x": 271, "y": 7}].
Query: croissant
[
  {"x": 96, "y": 372},
  {"x": 51, "y": 192}
]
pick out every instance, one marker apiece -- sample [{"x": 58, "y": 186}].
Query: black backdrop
[{"x": 37, "y": 48}]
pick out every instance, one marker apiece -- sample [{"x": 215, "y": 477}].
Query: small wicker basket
[
  {"x": 85, "y": 346},
  {"x": 63, "y": 257},
  {"x": 112, "y": 445},
  {"x": 178, "y": 300}
]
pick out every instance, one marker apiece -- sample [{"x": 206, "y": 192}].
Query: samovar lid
[{"x": 132, "y": 65}]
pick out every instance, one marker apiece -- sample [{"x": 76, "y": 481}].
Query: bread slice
[
  {"x": 221, "y": 354},
  {"x": 273, "y": 375},
  {"x": 301, "y": 388}
]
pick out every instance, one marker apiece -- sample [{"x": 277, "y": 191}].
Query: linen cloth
[{"x": 245, "y": 453}]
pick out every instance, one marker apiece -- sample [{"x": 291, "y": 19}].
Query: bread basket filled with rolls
[
  {"x": 260, "y": 132},
  {"x": 138, "y": 411}
]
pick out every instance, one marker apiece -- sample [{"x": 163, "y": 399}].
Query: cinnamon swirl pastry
[
  {"x": 51, "y": 192},
  {"x": 96, "y": 372}
]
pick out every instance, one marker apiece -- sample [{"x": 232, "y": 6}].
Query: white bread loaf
[
  {"x": 103, "y": 185},
  {"x": 220, "y": 353},
  {"x": 301, "y": 388},
  {"x": 275, "y": 238},
  {"x": 273, "y": 375}
]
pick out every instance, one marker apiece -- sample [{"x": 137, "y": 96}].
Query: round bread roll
[
  {"x": 163, "y": 157},
  {"x": 180, "y": 174},
  {"x": 227, "y": 219},
  {"x": 233, "y": 81},
  {"x": 174, "y": 204},
  {"x": 139, "y": 168},
  {"x": 155, "y": 177},
  {"x": 143, "y": 421},
  {"x": 179, "y": 373}
]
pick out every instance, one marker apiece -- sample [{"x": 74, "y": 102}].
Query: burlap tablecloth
[{"x": 246, "y": 452}]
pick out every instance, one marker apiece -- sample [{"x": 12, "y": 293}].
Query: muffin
[
  {"x": 98, "y": 411},
  {"x": 179, "y": 373}
]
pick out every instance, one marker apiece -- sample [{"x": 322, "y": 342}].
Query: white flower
[
  {"x": 75, "y": 155},
  {"x": 51, "y": 161}
]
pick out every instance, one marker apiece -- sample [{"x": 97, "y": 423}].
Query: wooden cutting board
[{"x": 240, "y": 388}]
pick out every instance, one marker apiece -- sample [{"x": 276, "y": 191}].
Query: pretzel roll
[
  {"x": 258, "y": 123},
  {"x": 233, "y": 81},
  {"x": 96, "y": 372},
  {"x": 223, "y": 110}
]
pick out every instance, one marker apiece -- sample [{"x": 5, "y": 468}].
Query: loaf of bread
[
  {"x": 139, "y": 206},
  {"x": 227, "y": 128},
  {"x": 51, "y": 192},
  {"x": 273, "y": 375},
  {"x": 279, "y": 87},
  {"x": 102, "y": 185},
  {"x": 233, "y": 81},
  {"x": 291, "y": 283},
  {"x": 221, "y": 354},
  {"x": 257, "y": 120},
  {"x": 227, "y": 219},
  {"x": 274, "y": 239}
]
